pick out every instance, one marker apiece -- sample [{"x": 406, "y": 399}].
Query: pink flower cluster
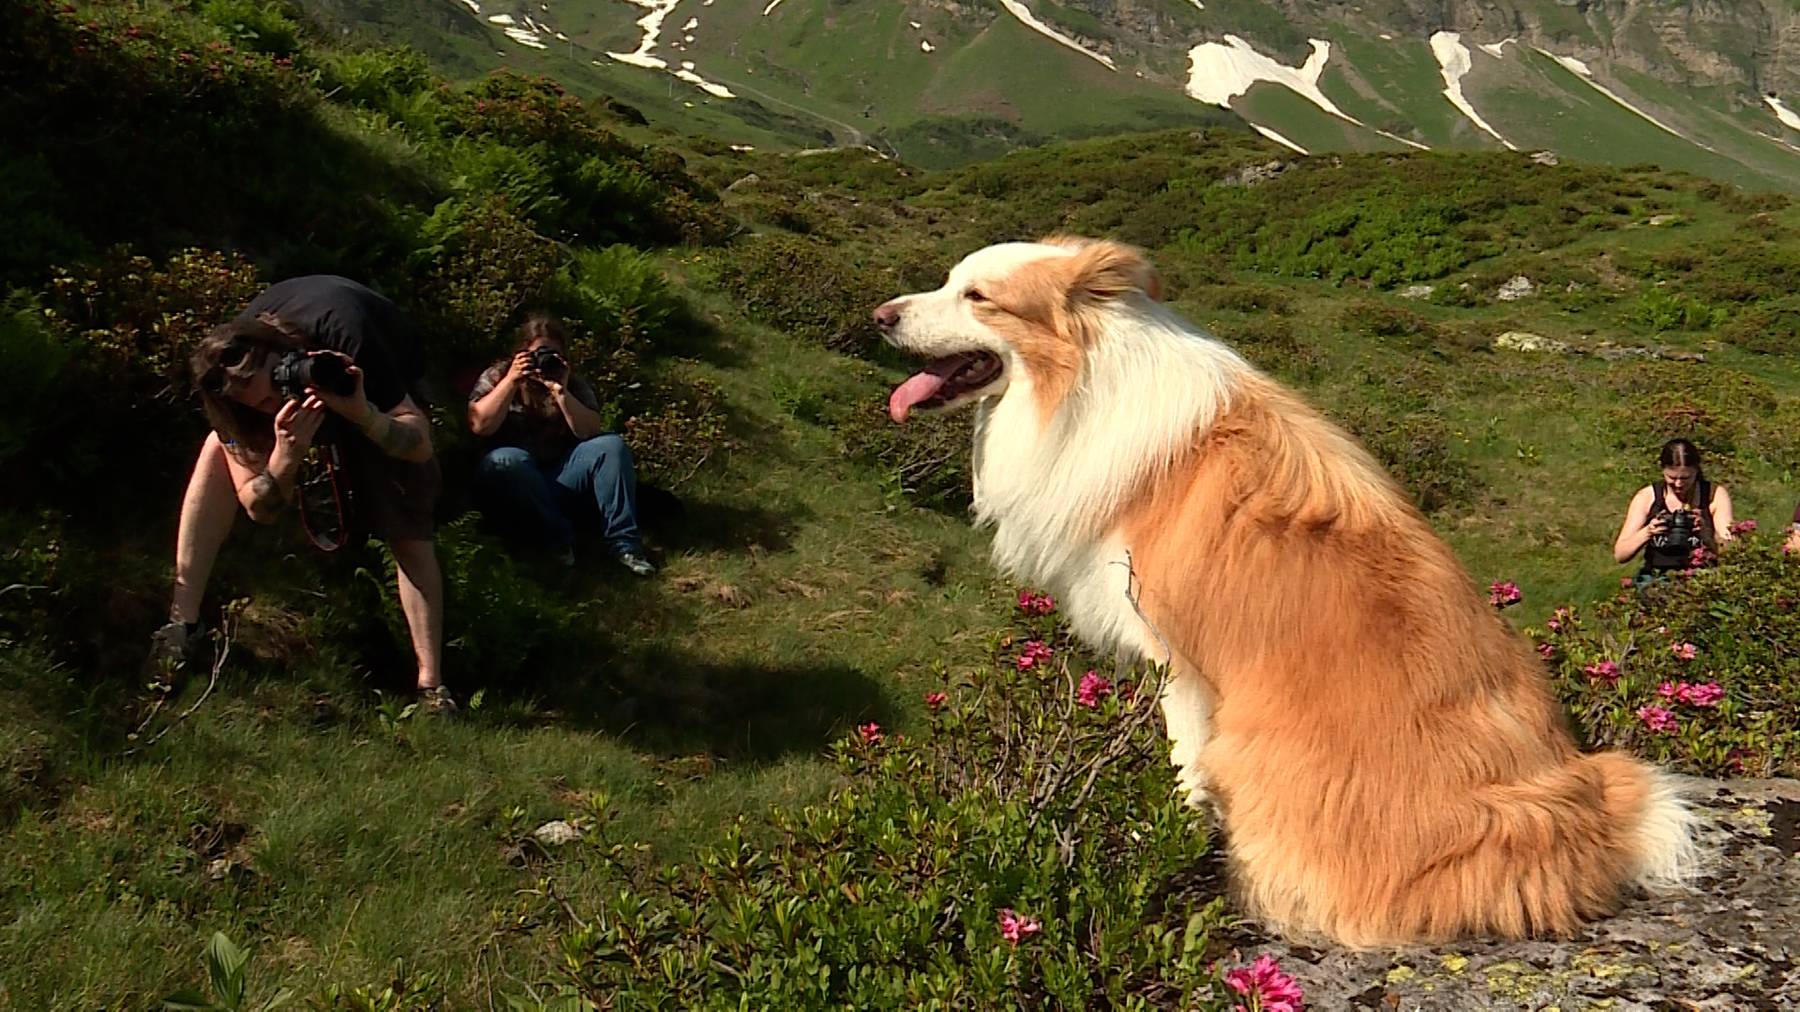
[
  {"x": 1702, "y": 695},
  {"x": 1546, "y": 651},
  {"x": 1563, "y": 616},
  {"x": 1741, "y": 528},
  {"x": 1603, "y": 671},
  {"x": 1014, "y": 928},
  {"x": 1701, "y": 557},
  {"x": 870, "y": 733},
  {"x": 1032, "y": 603},
  {"x": 1660, "y": 719},
  {"x": 1268, "y": 989},
  {"x": 1092, "y": 690},
  {"x": 1685, "y": 651},
  {"x": 934, "y": 701},
  {"x": 1034, "y": 653},
  {"x": 1504, "y": 595}
]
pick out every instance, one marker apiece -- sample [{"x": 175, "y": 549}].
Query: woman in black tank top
[{"x": 1670, "y": 519}]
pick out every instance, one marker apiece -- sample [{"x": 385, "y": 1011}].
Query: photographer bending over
[
  {"x": 1671, "y": 519},
  {"x": 314, "y": 360},
  {"x": 547, "y": 463}
]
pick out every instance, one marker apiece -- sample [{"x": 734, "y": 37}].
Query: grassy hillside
[{"x": 772, "y": 806}]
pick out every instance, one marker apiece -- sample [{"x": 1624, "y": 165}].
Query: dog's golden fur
[{"x": 1384, "y": 751}]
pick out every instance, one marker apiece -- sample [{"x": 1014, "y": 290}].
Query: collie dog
[{"x": 1383, "y": 751}]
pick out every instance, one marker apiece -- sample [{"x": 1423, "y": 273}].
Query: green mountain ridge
[{"x": 1684, "y": 85}]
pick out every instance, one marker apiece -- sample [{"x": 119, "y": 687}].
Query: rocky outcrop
[{"x": 1732, "y": 941}]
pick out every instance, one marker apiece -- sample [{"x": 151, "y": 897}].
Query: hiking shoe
[
  {"x": 437, "y": 702},
  {"x": 635, "y": 561},
  {"x": 176, "y": 644}
]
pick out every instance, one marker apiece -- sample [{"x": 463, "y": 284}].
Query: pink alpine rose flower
[
  {"x": 870, "y": 733},
  {"x": 1685, "y": 651},
  {"x": 1546, "y": 651},
  {"x": 1741, "y": 528},
  {"x": 1603, "y": 671},
  {"x": 1668, "y": 690},
  {"x": 934, "y": 701},
  {"x": 1504, "y": 595},
  {"x": 1268, "y": 989},
  {"x": 1705, "y": 695},
  {"x": 1660, "y": 719},
  {"x": 1014, "y": 928},
  {"x": 1092, "y": 690},
  {"x": 1033, "y": 603},
  {"x": 1034, "y": 652}
]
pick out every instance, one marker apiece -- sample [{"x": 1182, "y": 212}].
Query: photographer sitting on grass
[
  {"x": 1675, "y": 522},
  {"x": 315, "y": 368},
  {"x": 547, "y": 464}
]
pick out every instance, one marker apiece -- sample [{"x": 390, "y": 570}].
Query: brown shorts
[{"x": 395, "y": 498}]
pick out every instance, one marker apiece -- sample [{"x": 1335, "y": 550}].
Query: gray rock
[
  {"x": 743, "y": 182},
  {"x": 1731, "y": 941},
  {"x": 1417, "y": 291},
  {"x": 1519, "y": 340},
  {"x": 556, "y": 833},
  {"x": 1251, "y": 175},
  {"x": 1517, "y": 287},
  {"x": 1545, "y": 158}
]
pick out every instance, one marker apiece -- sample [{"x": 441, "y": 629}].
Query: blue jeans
[{"x": 595, "y": 479}]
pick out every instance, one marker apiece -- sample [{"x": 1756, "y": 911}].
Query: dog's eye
[{"x": 974, "y": 295}]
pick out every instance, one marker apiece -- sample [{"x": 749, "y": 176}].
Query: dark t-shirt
[
  {"x": 340, "y": 315},
  {"x": 394, "y": 498},
  {"x": 547, "y": 436}
]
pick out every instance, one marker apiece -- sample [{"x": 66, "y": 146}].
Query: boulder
[
  {"x": 1417, "y": 291},
  {"x": 1516, "y": 287},
  {"x": 1730, "y": 941},
  {"x": 1519, "y": 340}
]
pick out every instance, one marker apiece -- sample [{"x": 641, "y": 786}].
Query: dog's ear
[{"x": 1107, "y": 270}]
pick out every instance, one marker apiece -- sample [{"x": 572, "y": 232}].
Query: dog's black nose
[{"x": 887, "y": 314}]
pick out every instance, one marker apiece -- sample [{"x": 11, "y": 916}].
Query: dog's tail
[
  {"x": 1563, "y": 847},
  {"x": 1535, "y": 857}
]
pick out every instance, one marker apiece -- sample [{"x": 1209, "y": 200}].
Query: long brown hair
[
  {"x": 540, "y": 326},
  {"x": 254, "y": 343}
]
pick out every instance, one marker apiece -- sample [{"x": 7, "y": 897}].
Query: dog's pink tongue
[{"x": 920, "y": 387}]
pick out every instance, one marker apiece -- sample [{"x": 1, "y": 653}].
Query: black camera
[
  {"x": 1679, "y": 533},
  {"x": 549, "y": 363},
  {"x": 297, "y": 370}
]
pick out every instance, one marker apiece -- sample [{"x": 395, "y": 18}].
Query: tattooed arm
[
  {"x": 265, "y": 487},
  {"x": 403, "y": 433}
]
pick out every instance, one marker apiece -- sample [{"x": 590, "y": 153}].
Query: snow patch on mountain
[
  {"x": 772, "y": 5},
  {"x": 1782, "y": 112},
  {"x": 473, "y": 6},
  {"x": 1029, "y": 20},
  {"x": 1454, "y": 61},
  {"x": 651, "y": 23},
  {"x": 1497, "y": 50},
  {"x": 1277, "y": 138},
  {"x": 1221, "y": 71}
]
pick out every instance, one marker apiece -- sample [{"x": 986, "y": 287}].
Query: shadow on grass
[
  {"x": 668, "y": 703},
  {"x": 663, "y": 701},
  {"x": 712, "y": 525}
]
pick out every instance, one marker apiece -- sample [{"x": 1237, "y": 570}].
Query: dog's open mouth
[{"x": 942, "y": 381}]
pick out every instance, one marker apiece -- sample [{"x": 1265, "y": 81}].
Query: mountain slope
[{"x": 1689, "y": 85}]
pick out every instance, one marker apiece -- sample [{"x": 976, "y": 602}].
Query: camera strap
[{"x": 328, "y": 499}]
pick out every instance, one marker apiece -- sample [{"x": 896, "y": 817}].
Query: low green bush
[
  {"x": 1700, "y": 672},
  {"x": 813, "y": 290},
  {"x": 926, "y": 462},
  {"x": 1019, "y": 851},
  {"x": 1771, "y": 328},
  {"x": 1416, "y": 448}
]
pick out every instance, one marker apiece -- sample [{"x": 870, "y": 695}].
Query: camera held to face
[
  {"x": 297, "y": 370},
  {"x": 549, "y": 363}
]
